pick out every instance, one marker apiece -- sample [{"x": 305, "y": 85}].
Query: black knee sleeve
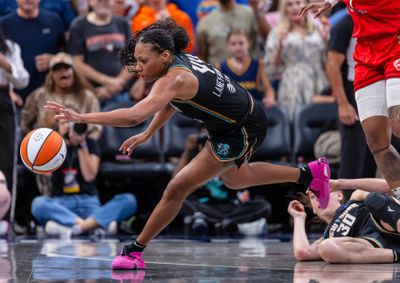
[{"x": 383, "y": 208}]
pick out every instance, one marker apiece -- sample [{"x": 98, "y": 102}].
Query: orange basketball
[{"x": 43, "y": 150}]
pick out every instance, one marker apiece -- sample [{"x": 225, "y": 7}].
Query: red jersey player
[{"x": 377, "y": 76}]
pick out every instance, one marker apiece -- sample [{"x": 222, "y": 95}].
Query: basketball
[{"x": 43, "y": 150}]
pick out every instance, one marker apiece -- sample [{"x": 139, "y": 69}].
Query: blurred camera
[{"x": 78, "y": 128}]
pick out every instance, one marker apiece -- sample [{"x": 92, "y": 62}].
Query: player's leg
[
  {"x": 372, "y": 106},
  {"x": 316, "y": 175},
  {"x": 353, "y": 250},
  {"x": 202, "y": 168}
]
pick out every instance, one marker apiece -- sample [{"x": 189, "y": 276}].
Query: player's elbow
[{"x": 301, "y": 255}]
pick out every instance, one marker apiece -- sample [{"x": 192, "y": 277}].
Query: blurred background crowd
[{"x": 301, "y": 70}]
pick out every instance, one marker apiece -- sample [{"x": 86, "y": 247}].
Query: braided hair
[{"x": 162, "y": 35}]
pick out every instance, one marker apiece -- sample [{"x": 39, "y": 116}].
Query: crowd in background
[{"x": 67, "y": 51}]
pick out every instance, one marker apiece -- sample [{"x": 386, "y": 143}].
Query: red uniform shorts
[{"x": 376, "y": 59}]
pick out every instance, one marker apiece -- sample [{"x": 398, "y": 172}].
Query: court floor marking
[
  {"x": 214, "y": 265},
  {"x": 157, "y": 262}
]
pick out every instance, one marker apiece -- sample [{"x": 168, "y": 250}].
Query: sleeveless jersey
[
  {"x": 248, "y": 79},
  {"x": 220, "y": 103},
  {"x": 374, "y": 17},
  {"x": 352, "y": 219}
]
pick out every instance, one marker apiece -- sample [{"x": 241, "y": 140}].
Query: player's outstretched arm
[
  {"x": 364, "y": 184},
  {"x": 319, "y": 8},
  {"x": 162, "y": 93},
  {"x": 158, "y": 121},
  {"x": 302, "y": 248}
]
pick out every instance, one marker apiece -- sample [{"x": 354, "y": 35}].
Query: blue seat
[
  {"x": 277, "y": 142},
  {"x": 175, "y": 133},
  {"x": 309, "y": 122},
  {"x": 146, "y": 158}
]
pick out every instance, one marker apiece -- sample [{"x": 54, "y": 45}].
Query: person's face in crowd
[
  {"x": 238, "y": 46},
  {"x": 335, "y": 201},
  {"x": 28, "y": 6},
  {"x": 150, "y": 64},
  {"x": 63, "y": 76},
  {"x": 158, "y": 4},
  {"x": 292, "y": 8},
  {"x": 102, "y": 8},
  {"x": 119, "y": 7}
]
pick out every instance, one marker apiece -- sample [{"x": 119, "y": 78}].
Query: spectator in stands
[
  {"x": 63, "y": 8},
  {"x": 158, "y": 10},
  {"x": 81, "y": 7},
  {"x": 39, "y": 33},
  {"x": 272, "y": 15},
  {"x": 95, "y": 41},
  {"x": 64, "y": 84},
  {"x": 213, "y": 29},
  {"x": 245, "y": 70},
  {"x": 12, "y": 75},
  {"x": 356, "y": 161},
  {"x": 74, "y": 207},
  {"x": 5, "y": 201},
  {"x": 296, "y": 48},
  {"x": 204, "y": 7},
  {"x": 126, "y": 9}
]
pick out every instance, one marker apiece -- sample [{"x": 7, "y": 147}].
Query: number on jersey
[{"x": 199, "y": 65}]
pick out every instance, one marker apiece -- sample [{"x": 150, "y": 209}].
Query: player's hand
[
  {"x": 130, "y": 144},
  {"x": 318, "y": 8},
  {"x": 65, "y": 114},
  {"x": 347, "y": 114},
  {"x": 296, "y": 209}
]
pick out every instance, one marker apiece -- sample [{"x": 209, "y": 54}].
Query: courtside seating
[
  {"x": 145, "y": 160},
  {"x": 174, "y": 137},
  {"x": 277, "y": 142},
  {"x": 309, "y": 122}
]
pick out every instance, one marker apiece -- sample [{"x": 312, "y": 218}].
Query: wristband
[{"x": 332, "y": 2}]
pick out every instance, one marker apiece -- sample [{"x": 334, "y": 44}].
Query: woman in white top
[
  {"x": 12, "y": 75},
  {"x": 296, "y": 48}
]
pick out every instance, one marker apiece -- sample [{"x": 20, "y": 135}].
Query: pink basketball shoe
[
  {"x": 128, "y": 260},
  {"x": 320, "y": 183}
]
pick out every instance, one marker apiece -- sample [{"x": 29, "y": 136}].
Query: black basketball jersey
[
  {"x": 220, "y": 103},
  {"x": 352, "y": 219}
]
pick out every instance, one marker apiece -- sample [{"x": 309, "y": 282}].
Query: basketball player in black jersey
[
  {"x": 365, "y": 229},
  {"x": 236, "y": 126}
]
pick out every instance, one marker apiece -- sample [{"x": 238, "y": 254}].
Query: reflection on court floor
[{"x": 246, "y": 260}]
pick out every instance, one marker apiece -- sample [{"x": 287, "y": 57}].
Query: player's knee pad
[
  {"x": 371, "y": 101},
  {"x": 392, "y": 92}
]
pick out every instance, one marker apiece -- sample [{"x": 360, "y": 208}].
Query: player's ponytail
[{"x": 162, "y": 35}]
